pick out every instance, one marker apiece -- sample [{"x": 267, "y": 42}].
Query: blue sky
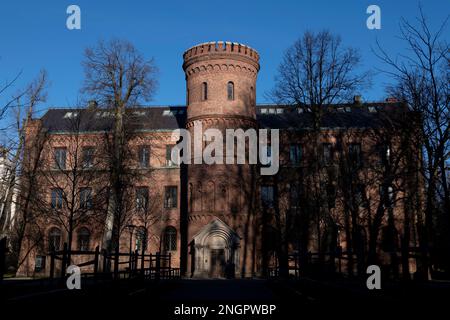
[{"x": 33, "y": 35}]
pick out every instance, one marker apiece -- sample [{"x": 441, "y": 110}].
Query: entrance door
[{"x": 217, "y": 263}]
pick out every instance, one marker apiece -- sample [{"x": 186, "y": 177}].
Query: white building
[{"x": 8, "y": 193}]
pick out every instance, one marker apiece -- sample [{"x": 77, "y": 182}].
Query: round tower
[{"x": 221, "y": 86}]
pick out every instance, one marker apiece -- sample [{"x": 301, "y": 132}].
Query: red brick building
[{"x": 209, "y": 216}]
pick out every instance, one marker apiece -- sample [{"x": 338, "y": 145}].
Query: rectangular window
[
  {"x": 391, "y": 196},
  {"x": 86, "y": 198},
  {"x": 142, "y": 198},
  {"x": 170, "y": 239},
  {"x": 57, "y": 198},
  {"x": 389, "y": 201},
  {"x": 360, "y": 197},
  {"x": 267, "y": 196},
  {"x": 331, "y": 196},
  {"x": 141, "y": 239},
  {"x": 354, "y": 153},
  {"x": 294, "y": 195},
  {"x": 144, "y": 157},
  {"x": 60, "y": 158},
  {"x": 88, "y": 157},
  {"x": 39, "y": 264},
  {"x": 385, "y": 154},
  {"x": 295, "y": 154},
  {"x": 170, "y": 197},
  {"x": 169, "y": 162},
  {"x": 327, "y": 154},
  {"x": 268, "y": 155}
]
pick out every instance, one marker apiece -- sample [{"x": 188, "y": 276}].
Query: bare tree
[
  {"x": 316, "y": 71},
  {"x": 147, "y": 213},
  {"x": 9, "y": 103},
  {"x": 378, "y": 186},
  {"x": 33, "y": 94},
  {"x": 26, "y": 153},
  {"x": 75, "y": 174},
  {"x": 422, "y": 80},
  {"x": 119, "y": 77}
]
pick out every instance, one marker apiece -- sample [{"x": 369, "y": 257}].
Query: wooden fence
[
  {"x": 115, "y": 265},
  {"x": 336, "y": 262},
  {"x": 3, "y": 249}
]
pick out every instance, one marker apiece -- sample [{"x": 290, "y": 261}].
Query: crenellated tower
[{"x": 221, "y": 85}]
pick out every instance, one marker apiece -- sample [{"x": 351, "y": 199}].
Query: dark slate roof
[
  {"x": 142, "y": 118},
  {"x": 336, "y": 116},
  {"x": 173, "y": 117}
]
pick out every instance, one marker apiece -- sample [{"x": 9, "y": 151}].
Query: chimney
[
  {"x": 391, "y": 100},
  {"x": 357, "y": 99},
  {"x": 92, "y": 104}
]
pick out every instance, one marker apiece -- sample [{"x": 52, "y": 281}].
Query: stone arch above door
[{"x": 216, "y": 240}]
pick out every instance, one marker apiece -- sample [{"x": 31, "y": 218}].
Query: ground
[{"x": 224, "y": 299}]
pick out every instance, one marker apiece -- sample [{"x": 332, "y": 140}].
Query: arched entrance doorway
[{"x": 215, "y": 249}]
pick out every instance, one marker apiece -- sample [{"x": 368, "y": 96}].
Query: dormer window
[
  {"x": 70, "y": 115},
  {"x": 204, "y": 91},
  {"x": 230, "y": 90}
]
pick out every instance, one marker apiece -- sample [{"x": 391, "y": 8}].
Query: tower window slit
[
  {"x": 204, "y": 91},
  {"x": 230, "y": 90}
]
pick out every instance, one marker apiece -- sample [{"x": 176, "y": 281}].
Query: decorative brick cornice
[
  {"x": 220, "y": 50},
  {"x": 206, "y": 67},
  {"x": 221, "y": 118}
]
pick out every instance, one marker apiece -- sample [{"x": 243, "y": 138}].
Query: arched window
[
  {"x": 191, "y": 197},
  {"x": 141, "y": 239},
  {"x": 223, "y": 197},
  {"x": 230, "y": 90},
  {"x": 204, "y": 91},
  {"x": 210, "y": 196},
  {"x": 54, "y": 239},
  {"x": 84, "y": 237},
  {"x": 198, "y": 197},
  {"x": 170, "y": 239},
  {"x": 235, "y": 203}
]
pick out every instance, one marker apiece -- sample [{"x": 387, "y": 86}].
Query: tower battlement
[{"x": 220, "y": 49}]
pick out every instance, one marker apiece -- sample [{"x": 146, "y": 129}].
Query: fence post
[
  {"x": 116, "y": 262},
  {"x": 135, "y": 257},
  {"x": 150, "y": 266},
  {"x": 130, "y": 261},
  {"x": 52, "y": 263},
  {"x": 142, "y": 261},
  {"x": 170, "y": 264},
  {"x": 340, "y": 260},
  {"x": 64, "y": 261},
  {"x": 3, "y": 248},
  {"x": 158, "y": 265},
  {"x": 296, "y": 265},
  {"x": 105, "y": 260},
  {"x": 170, "y": 260},
  {"x": 97, "y": 252}
]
